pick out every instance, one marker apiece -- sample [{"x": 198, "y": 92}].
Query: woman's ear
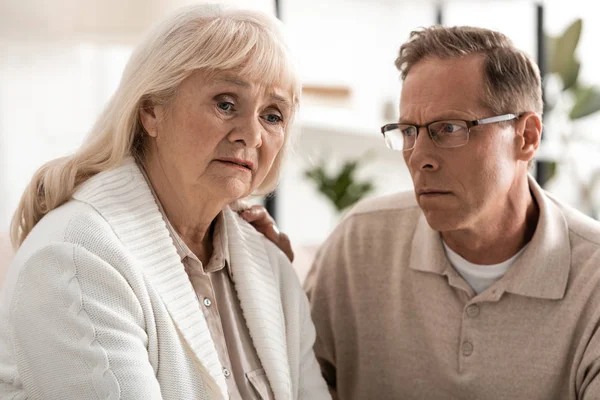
[
  {"x": 529, "y": 131},
  {"x": 148, "y": 117}
]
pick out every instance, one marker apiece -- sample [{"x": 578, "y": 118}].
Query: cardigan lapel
[
  {"x": 258, "y": 293},
  {"x": 124, "y": 199}
]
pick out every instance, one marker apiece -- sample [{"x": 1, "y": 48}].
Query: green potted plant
[
  {"x": 568, "y": 100},
  {"x": 340, "y": 187}
]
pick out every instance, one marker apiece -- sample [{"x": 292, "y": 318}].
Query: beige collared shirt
[
  {"x": 395, "y": 320},
  {"x": 217, "y": 298}
]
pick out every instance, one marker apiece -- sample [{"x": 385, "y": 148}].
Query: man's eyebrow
[{"x": 441, "y": 117}]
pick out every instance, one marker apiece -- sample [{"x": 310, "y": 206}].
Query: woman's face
[{"x": 220, "y": 134}]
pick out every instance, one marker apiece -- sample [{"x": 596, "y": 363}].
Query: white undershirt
[{"x": 480, "y": 277}]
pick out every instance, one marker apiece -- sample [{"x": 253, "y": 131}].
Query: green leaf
[
  {"x": 570, "y": 74},
  {"x": 563, "y": 53},
  {"x": 587, "y": 102},
  {"x": 340, "y": 188},
  {"x": 550, "y": 45}
]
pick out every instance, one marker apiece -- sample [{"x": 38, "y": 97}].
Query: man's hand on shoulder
[{"x": 260, "y": 219}]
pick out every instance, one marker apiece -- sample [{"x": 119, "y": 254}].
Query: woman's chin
[{"x": 234, "y": 189}]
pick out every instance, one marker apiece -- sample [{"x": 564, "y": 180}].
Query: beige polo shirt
[
  {"x": 217, "y": 298},
  {"x": 394, "y": 320}
]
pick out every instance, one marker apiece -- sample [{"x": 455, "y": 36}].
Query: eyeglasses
[{"x": 447, "y": 133}]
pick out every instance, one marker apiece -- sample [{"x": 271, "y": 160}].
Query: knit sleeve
[
  {"x": 326, "y": 287},
  {"x": 311, "y": 382},
  {"x": 78, "y": 329},
  {"x": 300, "y": 331}
]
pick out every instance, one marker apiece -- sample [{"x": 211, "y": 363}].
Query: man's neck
[{"x": 497, "y": 237}]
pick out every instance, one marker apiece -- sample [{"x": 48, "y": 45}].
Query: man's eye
[
  {"x": 410, "y": 131},
  {"x": 450, "y": 128},
  {"x": 225, "y": 105}
]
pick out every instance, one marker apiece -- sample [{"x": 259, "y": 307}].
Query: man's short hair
[{"x": 512, "y": 82}]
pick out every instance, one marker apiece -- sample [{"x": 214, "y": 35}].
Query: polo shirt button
[
  {"x": 226, "y": 372},
  {"x": 467, "y": 348},
  {"x": 207, "y": 302},
  {"x": 473, "y": 310}
]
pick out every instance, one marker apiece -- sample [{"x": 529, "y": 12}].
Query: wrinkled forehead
[
  {"x": 274, "y": 72},
  {"x": 435, "y": 85},
  {"x": 282, "y": 92}
]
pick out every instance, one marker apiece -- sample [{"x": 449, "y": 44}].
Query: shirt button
[
  {"x": 467, "y": 349},
  {"x": 473, "y": 310},
  {"x": 207, "y": 302},
  {"x": 226, "y": 372}
]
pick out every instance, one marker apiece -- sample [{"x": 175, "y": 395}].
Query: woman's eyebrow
[
  {"x": 280, "y": 99},
  {"x": 235, "y": 81}
]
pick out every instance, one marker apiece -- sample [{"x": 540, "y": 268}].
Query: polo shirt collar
[{"x": 542, "y": 270}]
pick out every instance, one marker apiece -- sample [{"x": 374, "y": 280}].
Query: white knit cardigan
[{"x": 97, "y": 305}]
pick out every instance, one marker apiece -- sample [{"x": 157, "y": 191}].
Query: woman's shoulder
[
  {"x": 282, "y": 268},
  {"x": 74, "y": 224},
  {"x": 259, "y": 246},
  {"x": 72, "y": 239}
]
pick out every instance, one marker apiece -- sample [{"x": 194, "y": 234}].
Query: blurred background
[{"x": 61, "y": 60}]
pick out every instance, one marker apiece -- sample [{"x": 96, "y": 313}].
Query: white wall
[
  {"x": 50, "y": 93},
  {"x": 103, "y": 20}
]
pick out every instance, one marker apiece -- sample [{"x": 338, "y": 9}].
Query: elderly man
[{"x": 479, "y": 285}]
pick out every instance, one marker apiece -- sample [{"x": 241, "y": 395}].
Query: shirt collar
[{"x": 541, "y": 271}]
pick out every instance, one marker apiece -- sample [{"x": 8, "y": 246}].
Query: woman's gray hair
[
  {"x": 201, "y": 37},
  {"x": 213, "y": 37},
  {"x": 511, "y": 78}
]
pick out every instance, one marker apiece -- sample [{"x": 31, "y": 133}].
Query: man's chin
[{"x": 442, "y": 220}]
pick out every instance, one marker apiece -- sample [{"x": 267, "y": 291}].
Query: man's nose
[{"x": 424, "y": 155}]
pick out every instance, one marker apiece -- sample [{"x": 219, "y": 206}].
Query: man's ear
[
  {"x": 149, "y": 117},
  {"x": 529, "y": 134}
]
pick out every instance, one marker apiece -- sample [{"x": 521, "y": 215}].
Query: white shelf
[{"x": 339, "y": 121}]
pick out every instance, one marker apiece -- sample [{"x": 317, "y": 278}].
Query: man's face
[{"x": 457, "y": 188}]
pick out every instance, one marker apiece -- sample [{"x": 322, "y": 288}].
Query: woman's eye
[
  {"x": 273, "y": 118},
  {"x": 225, "y": 105}
]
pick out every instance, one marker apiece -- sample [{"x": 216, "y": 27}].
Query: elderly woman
[{"x": 133, "y": 278}]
